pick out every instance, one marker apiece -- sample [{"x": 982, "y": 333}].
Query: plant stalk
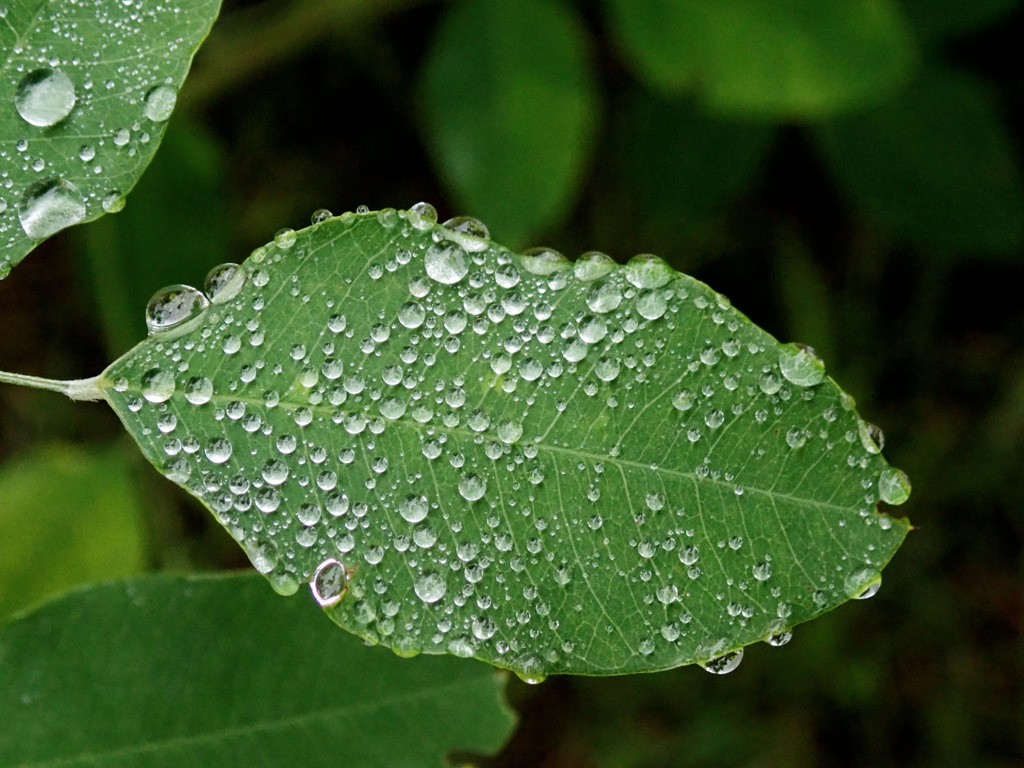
[{"x": 77, "y": 389}]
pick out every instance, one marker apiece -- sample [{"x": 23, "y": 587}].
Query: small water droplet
[
  {"x": 762, "y": 571},
  {"x": 871, "y": 437},
  {"x": 467, "y": 225},
  {"x": 724, "y": 664},
  {"x": 160, "y": 103},
  {"x": 862, "y": 584},
  {"x": 173, "y": 306},
  {"x": 320, "y": 215},
  {"x": 223, "y": 283},
  {"x": 424, "y": 211},
  {"x": 45, "y": 97},
  {"x": 113, "y": 202},
  {"x": 800, "y": 366},
  {"x": 893, "y": 486},
  {"x": 285, "y": 238},
  {"x": 49, "y": 206}
]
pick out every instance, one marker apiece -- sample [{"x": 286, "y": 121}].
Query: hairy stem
[{"x": 78, "y": 389}]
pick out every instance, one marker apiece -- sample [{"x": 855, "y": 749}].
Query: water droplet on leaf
[
  {"x": 45, "y": 97},
  {"x": 893, "y": 486},
  {"x": 430, "y": 587},
  {"x": 329, "y": 582},
  {"x": 223, "y": 283},
  {"x": 800, "y": 366},
  {"x": 173, "y": 306},
  {"x": 724, "y": 664},
  {"x": 50, "y": 206},
  {"x": 160, "y": 103},
  {"x": 446, "y": 263}
]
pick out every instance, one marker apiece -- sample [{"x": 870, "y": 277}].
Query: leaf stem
[{"x": 77, "y": 389}]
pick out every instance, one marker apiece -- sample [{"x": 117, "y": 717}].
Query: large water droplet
[
  {"x": 49, "y": 206},
  {"x": 646, "y": 270},
  {"x": 414, "y": 508},
  {"x": 604, "y": 297},
  {"x": 893, "y": 486},
  {"x": 446, "y": 263},
  {"x": 543, "y": 261},
  {"x": 199, "y": 390},
  {"x": 592, "y": 265},
  {"x": 157, "y": 385},
  {"x": 160, "y": 103},
  {"x": 45, "y": 97},
  {"x": 174, "y": 305},
  {"x": 467, "y": 225},
  {"x": 430, "y": 587},
  {"x": 328, "y": 583},
  {"x": 472, "y": 487}
]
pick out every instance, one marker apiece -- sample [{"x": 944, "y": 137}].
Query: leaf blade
[
  {"x": 190, "y": 683},
  {"x": 511, "y": 456}
]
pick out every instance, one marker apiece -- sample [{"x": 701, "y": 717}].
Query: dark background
[{"x": 888, "y": 234}]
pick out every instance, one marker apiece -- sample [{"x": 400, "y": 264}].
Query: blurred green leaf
[
  {"x": 584, "y": 468},
  {"x": 936, "y": 20},
  {"x": 682, "y": 164},
  {"x": 173, "y": 230},
  {"x": 774, "y": 59},
  {"x": 217, "y": 671},
  {"x": 67, "y": 515},
  {"x": 87, "y": 89},
  {"x": 509, "y": 108},
  {"x": 935, "y": 166}
]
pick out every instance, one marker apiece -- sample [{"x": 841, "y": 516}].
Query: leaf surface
[
  {"x": 794, "y": 59},
  {"x": 936, "y": 167},
  {"x": 553, "y": 467},
  {"x": 87, "y": 89},
  {"x": 171, "y": 671}
]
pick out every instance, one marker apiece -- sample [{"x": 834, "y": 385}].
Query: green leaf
[
  {"x": 87, "y": 92},
  {"x": 201, "y": 670},
  {"x": 935, "y": 167},
  {"x": 683, "y": 163},
  {"x": 67, "y": 515},
  {"x": 937, "y": 20},
  {"x": 554, "y": 468},
  {"x": 795, "y": 59},
  {"x": 510, "y": 109}
]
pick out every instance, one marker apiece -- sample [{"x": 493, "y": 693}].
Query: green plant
[{"x": 172, "y": 385}]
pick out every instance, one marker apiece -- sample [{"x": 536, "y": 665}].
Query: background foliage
[{"x": 868, "y": 211}]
